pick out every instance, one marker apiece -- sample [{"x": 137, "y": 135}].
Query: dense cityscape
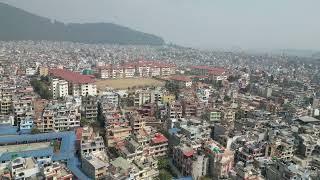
[{"x": 135, "y": 112}]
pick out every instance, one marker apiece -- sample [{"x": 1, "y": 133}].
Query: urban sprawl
[{"x": 125, "y": 112}]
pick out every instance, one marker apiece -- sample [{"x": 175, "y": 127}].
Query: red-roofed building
[
  {"x": 139, "y": 68},
  {"x": 68, "y": 82},
  {"x": 181, "y": 81},
  {"x": 188, "y": 162},
  {"x": 207, "y": 70},
  {"x": 158, "y": 145},
  {"x": 71, "y": 77}
]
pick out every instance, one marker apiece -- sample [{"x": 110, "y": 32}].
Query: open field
[
  {"x": 24, "y": 147},
  {"x": 128, "y": 83}
]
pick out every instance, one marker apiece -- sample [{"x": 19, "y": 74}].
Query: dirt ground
[{"x": 128, "y": 83}]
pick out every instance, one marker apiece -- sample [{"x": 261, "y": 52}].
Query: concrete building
[
  {"x": 43, "y": 71},
  {"x": 129, "y": 71},
  {"x": 91, "y": 142},
  {"x": 95, "y": 165},
  {"x": 90, "y": 108},
  {"x": 24, "y": 168},
  {"x": 59, "y": 88},
  {"x": 189, "y": 162},
  {"x": 142, "y": 97},
  {"x": 55, "y": 171},
  {"x": 221, "y": 160},
  {"x": 181, "y": 81},
  {"x": 26, "y": 124},
  {"x": 78, "y": 84},
  {"x": 110, "y": 98},
  {"x": 58, "y": 117},
  {"x": 175, "y": 110},
  {"x": 158, "y": 146},
  {"x": 286, "y": 170},
  {"x": 5, "y": 106},
  {"x": 22, "y": 108}
]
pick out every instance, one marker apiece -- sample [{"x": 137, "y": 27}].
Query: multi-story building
[
  {"x": 95, "y": 165},
  {"x": 155, "y": 70},
  {"x": 22, "y": 108},
  {"x": 26, "y": 125},
  {"x": 137, "y": 121},
  {"x": 47, "y": 121},
  {"x": 90, "y": 108},
  {"x": 24, "y": 168},
  {"x": 221, "y": 160},
  {"x": 55, "y": 171},
  {"x": 5, "y": 106},
  {"x": 117, "y": 132},
  {"x": 110, "y": 98},
  {"x": 189, "y": 162},
  {"x": 215, "y": 116},
  {"x": 78, "y": 84},
  {"x": 91, "y": 142},
  {"x": 104, "y": 72},
  {"x": 158, "y": 145},
  {"x": 129, "y": 70},
  {"x": 175, "y": 110},
  {"x": 59, "y": 117},
  {"x": 206, "y": 70},
  {"x": 251, "y": 150},
  {"x": 181, "y": 81},
  {"x": 142, "y": 97},
  {"x": 43, "y": 71},
  {"x": 59, "y": 88},
  {"x": 117, "y": 71},
  {"x": 145, "y": 168},
  {"x": 286, "y": 170},
  {"x": 66, "y": 118}
]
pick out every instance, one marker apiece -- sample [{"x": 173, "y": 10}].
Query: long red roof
[
  {"x": 159, "y": 138},
  {"x": 71, "y": 76},
  {"x": 180, "y": 78}
]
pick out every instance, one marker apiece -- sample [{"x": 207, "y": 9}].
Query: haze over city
[
  {"x": 159, "y": 89},
  {"x": 247, "y": 24}
]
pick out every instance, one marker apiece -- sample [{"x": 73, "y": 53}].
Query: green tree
[
  {"x": 240, "y": 114},
  {"x": 226, "y": 98},
  {"x": 164, "y": 175},
  {"x": 41, "y": 88},
  {"x": 84, "y": 121},
  {"x": 163, "y": 163},
  {"x": 35, "y": 131}
]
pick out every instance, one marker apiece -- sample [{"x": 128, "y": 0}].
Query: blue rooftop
[
  {"x": 8, "y": 130},
  {"x": 173, "y": 131},
  {"x": 67, "y": 149},
  {"x": 185, "y": 178}
]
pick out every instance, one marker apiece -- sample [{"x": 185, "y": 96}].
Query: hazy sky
[{"x": 250, "y": 24}]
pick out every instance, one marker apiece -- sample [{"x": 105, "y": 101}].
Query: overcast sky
[{"x": 249, "y": 24}]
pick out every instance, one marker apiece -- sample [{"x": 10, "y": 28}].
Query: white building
[
  {"x": 142, "y": 97},
  {"x": 24, "y": 168},
  {"x": 129, "y": 71},
  {"x": 26, "y": 124},
  {"x": 104, "y": 73},
  {"x": 31, "y": 71},
  {"x": 59, "y": 88},
  {"x": 110, "y": 97}
]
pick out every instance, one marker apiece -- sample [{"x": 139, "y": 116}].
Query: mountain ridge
[{"x": 17, "y": 24}]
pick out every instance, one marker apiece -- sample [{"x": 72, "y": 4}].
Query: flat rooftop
[{"x": 24, "y": 147}]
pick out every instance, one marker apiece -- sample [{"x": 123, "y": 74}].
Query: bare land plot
[{"x": 128, "y": 83}]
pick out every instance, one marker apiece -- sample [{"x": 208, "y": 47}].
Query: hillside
[{"x": 17, "y": 24}]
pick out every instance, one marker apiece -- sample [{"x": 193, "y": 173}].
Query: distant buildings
[{"x": 136, "y": 69}]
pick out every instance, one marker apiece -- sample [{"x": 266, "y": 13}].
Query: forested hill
[{"x": 17, "y": 24}]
